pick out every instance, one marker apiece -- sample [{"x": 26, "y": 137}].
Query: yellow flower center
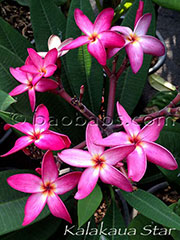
[
  {"x": 48, "y": 188},
  {"x": 98, "y": 161},
  {"x": 93, "y": 37}
]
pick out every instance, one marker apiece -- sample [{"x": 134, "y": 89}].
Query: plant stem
[{"x": 80, "y": 145}]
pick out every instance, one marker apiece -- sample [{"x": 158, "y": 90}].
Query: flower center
[
  {"x": 132, "y": 37},
  {"x": 98, "y": 161},
  {"x": 134, "y": 140},
  {"x": 48, "y": 188},
  {"x": 93, "y": 37},
  {"x": 36, "y": 135},
  {"x": 43, "y": 70}
]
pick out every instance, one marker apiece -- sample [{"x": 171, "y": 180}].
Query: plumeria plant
[{"x": 84, "y": 77}]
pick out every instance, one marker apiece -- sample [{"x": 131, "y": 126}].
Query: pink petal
[
  {"x": 115, "y": 139},
  {"x": 93, "y": 134},
  {"x": 97, "y": 50},
  {"x": 18, "y": 90},
  {"x": 20, "y": 143},
  {"x": 28, "y": 61},
  {"x": 151, "y": 131},
  {"x": 131, "y": 127},
  {"x": 19, "y": 75},
  {"x": 48, "y": 140},
  {"x": 54, "y": 42},
  {"x": 87, "y": 182},
  {"x": 143, "y": 24},
  {"x": 139, "y": 12},
  {"x": 45, "y": 85},
  {"x": 112, "y": 51},
  {"x": 51, "y": 57},
  {"x": 36, "y": 59},
  {"x": 24, "y": 127},
  {"x": 32, "y": 98},
  {"x": 103, "y": 20},
  {"x": 64, "y": 43},
  {"x": 33, "y": 207},
  {"x": 159, "y": 155},
  {"x": 110, "y": 175},
  {"x": 67, "y": 182},
  {"x": 65, "y": 138},
  {"x": 82, "y": 40},
  {"x": 126, "y": 31},
  {"x": 152, "y": 45},
  {"x": 111, "y": 39},
  {"x": 83, "y": 22},
  {"x": 116, "y": 154},
  {"x": 49, "y": 169},
  {"x": 29, "y": 69},
  {"x": 41, "y": 119},
  {"x": 27, "y": 182},
  {"x": 37, "y": 78},
  {"x": 50, "y": 69},
  {"x": 135, "y": 54},
  {"x": 137, "y": 164},
  {"x": 76, "y": 157},
  {"x": 57, "y": 208}
]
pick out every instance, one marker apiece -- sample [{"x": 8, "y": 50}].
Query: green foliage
[
  {"x": 172, "y": 4},
  {"x": 5, "y": 100}
]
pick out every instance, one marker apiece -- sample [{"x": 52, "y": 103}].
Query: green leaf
[
  {"x": 176, "y": 208},
  {"x": 27, "y": 2},
  {"x": 172, "y": 4},
  {"x": 122, "y": 8},
  {"x": 153, "y": 208},
  {"x": 5, "y": 100},
  {"x": 82, "y": 68},
  {"x": 160, "y": 84},
  {"x": 130, "y": 86},
  {"x": 88, "y": 205}
]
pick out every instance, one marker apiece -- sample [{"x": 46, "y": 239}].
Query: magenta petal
[
  {"x": 159, "y": 155},
  {"x": 110, "y": 175},
  {"x": 65, "y": 138},
  {"x": 29, "y": 69},
  {"x": 76, "y": 157},
  {"x": 112, "y": 51},
  {"x": 82, "y": 40},
  {"x": 32, "y": 98},
  {"x": 57, "y": 208},
  {"x": 45, "y": 85},
  {"x": 51, "y": 57},
  {"x": 152, "y": 45},
  {"x": 151, "y": 131},
  {"x": 49, "y": 169},
  {"x": 33, "y": 207},
  {"x": 50, "y": 69},
  {"x": 113, "y": 140},
  {"x": 63, "y": 44},
  {"x": 111, "y": 39},
  {"x": 27, "y": 182},
  {"x": 116, "y": 154},
  {"x": 37, "y": 78},
  {"x": 135, "y": 54},
  {"x": 143, "y": 24},
  {"x": 139, "y": 12},
  {"x": 137, "y": 164},
  {"x": 18, "y": 90},
  {"x": 103, "y": 20},
  {"x": 67, "y": 182},
  {"x": 19, "y": 75},
  {"x": 51, "y": 141},
  {"x": 83, "y": 22},
  {"x": 87, "y": 182},
  {"x": 126, "y": 31},
  {"x": 36, "y": 59},
  {"x": 131, "y": 127},
  {"x": 20, "y": 143},
  {"x": 24, "y": 127},
  {"x": 93, "y": 134},
  {"x": 41, "y": 119},
  {"x": 97, "y": 50}
]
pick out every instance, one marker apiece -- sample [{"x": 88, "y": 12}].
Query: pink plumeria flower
[
  {"x": 99, "y": 163},
  {"x": 143, "y": 139},
  {"x": 35, "y": 64},
  {"x": 138, "y": 43},
  {"x": 38, "y": 133},
  {"x": 139, "y": 12},
  {"x": 55, "y": 42},
  {"x": 45, "y": 189},
  {"x": 97, "y": 36},
  {"x": 28, "y": 84}
]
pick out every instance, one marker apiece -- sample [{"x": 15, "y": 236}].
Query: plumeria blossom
[
  {"x": 97, "y": 36},
  {"x": 98, "y": 163},
  {"x": 38, "y": 133},
  {"x": 55, "y": 42},
  {"x": 35, "y": 64},
  {"x": 138, "y": 43},
  {"x": 143, "y": 139},
  {"x": 45, "y": 189},
  {"x": 28, "y": 84}
]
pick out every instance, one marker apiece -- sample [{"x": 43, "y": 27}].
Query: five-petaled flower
[
  {"x": 38, "y": 133},
  {"x": 99, "y": 163},
  {"x": 98, "y": 35},
  {"x": 45, "y": 189},
  {"x": 138, "y": 43},
  {"x": 143, "y": 139},
  {"x": 28, "y": 84}
]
